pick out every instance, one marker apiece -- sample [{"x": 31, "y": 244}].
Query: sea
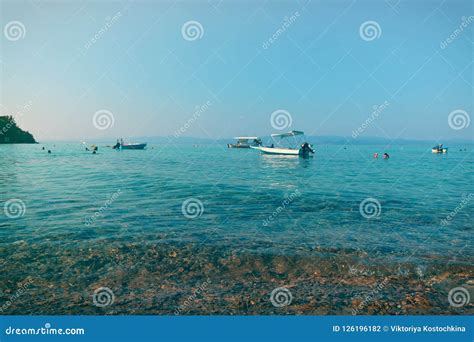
[{"x": 72, "y": 221}]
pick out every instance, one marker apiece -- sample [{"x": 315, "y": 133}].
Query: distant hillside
[{"x": 10, "y": 133}]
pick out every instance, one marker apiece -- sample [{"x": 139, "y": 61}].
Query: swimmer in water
[
  {"x": 376, "y": 155},
  {"x": 386, "y": 156}
]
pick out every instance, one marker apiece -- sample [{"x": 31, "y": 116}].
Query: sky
[{"x": 218, "y": 69}]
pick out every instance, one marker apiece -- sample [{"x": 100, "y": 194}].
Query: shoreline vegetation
[
  {"x": 189, "y": 279},
  {"x": 10, "y": 133}
]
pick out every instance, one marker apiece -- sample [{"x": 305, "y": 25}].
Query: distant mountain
[
  {"x": 10, "y": 133},
  {"x": 317, "y": 140}
]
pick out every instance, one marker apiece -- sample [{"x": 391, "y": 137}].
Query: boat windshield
[{"x": 294, "y": 138}]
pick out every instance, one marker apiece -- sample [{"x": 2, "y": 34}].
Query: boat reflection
[{"x": 285, "y": 161}]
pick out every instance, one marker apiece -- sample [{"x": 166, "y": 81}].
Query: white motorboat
[
  {"x": 439, "y": 149},
  {"x": 295, "y": 149}
]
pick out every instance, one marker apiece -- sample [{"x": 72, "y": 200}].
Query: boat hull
[
  {"x": 281, "y": 151},
  {"x": 237, "y": 146},
  {"x": 133, "y": 147},
  {"x": 444, "y": 150}
]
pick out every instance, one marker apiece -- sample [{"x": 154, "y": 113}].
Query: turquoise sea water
[
  {"x": 155, "y": 225},
  {"x": 244, "y": 200}
]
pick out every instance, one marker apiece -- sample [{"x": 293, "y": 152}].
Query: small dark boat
[{"x": 120, "y": 145}]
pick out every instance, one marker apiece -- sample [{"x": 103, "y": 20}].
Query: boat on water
[
  {"x": 243, "y": 142},
  {"x": 121, "y": 145},
  {"x": 295, "y": 148},
  {"x": 439, "y": 149}
]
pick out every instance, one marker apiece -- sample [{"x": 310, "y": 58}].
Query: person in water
[
  {"x": 386, "y": 156},
  {"x": 376, "y": 155},
  {"x": 49, "y": 151}
]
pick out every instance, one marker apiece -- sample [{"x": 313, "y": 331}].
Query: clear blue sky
[{"x": 319, "y": 69}]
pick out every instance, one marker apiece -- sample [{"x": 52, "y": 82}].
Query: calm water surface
[{"x": 249, "y": 201}]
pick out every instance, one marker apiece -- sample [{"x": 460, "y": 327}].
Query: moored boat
[
  {"x": 120, "y": 145},
  {"x": 439, "y": 149},
  {"x": 297, "y": 148},
  {"x": 243, "y": 142}
]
